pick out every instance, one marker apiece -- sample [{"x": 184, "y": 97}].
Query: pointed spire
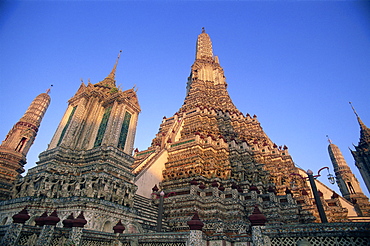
[
  {"x": 346, "y": 180},
  {"x": 350, "y": 103},
  {"x": 18, "y": 141},
  {"x": 361, "y": 154},
  {"x": 113, "y": 72},
  {"x": 362, "y": 125},
  {"x": 336, "y": 156},
  {"x": 329, "y": 140},
  {"x": 110, "y": 81},
  {"x": 48, "y": 90},
  {"x": 364, "y": 130},
  {"x": 36, "y": 110},
  {"x": 204, "y": 46}
]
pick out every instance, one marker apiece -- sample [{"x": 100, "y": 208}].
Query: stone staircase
[{"x": 147, "y": 214}]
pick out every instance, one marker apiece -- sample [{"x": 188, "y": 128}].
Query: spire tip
[
  {"x": 329, "y": 140},
  {"x": 48, "y": 90},
  {"x": 354, "y": 111},
  {"x": 113, "y": 72}
]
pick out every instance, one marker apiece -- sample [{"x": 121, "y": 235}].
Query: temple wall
[
  {"x": 151, "y": 176},
  {"x": 309, "y": 234}
]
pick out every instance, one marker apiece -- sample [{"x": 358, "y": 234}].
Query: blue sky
[{"x": 295, "y": 64}]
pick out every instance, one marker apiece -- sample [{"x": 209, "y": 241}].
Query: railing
[{"x": 315, "y": 234}]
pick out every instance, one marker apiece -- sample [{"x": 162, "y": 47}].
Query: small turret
[
  {"x": 18, "y": 141},
  {"x": 204, "y": 46},
  {"x": 346, "y": 180}
]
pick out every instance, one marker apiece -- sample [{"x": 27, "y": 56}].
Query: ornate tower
[
  {"x": 361, "y": 154},
  {"x": 17, "y": 143},
  {"x": 210, "y": 158},
  {"x": 347, "y": 182},
  {"x": 99, "y": 115},
  {"x": 87, "y": 163}
]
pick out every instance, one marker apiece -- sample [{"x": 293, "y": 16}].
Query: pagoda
[
  {"x": 347, "y": 182},
  {"x": 14, "y": 149},
  {"x": 87, "y": 165},
  {"x": 212, "y": 159}
]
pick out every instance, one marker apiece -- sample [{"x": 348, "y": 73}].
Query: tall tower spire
[
  {"x": 17, "y": 143},
  {"x": 95, "y": 115},
  {"x": 347, "y": 182},
  {"x": 362, "y": 152},
  {"x": 113, "y": 72},
  {"x": 364, "y": 130},
  {"x": 206, "y": 84}
]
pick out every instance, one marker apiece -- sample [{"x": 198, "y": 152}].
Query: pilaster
[
  {"x": 46, "y": 235},
  {"x": 12, "y": 235},
  {"x": 258, "y": 238},
  {"x": 75, "y": 235},
  {"x": 196, "y": 238}
]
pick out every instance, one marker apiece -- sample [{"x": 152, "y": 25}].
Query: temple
[
  {"x": 211, "y": 174},
  {"x": 212, "y": 159}
]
